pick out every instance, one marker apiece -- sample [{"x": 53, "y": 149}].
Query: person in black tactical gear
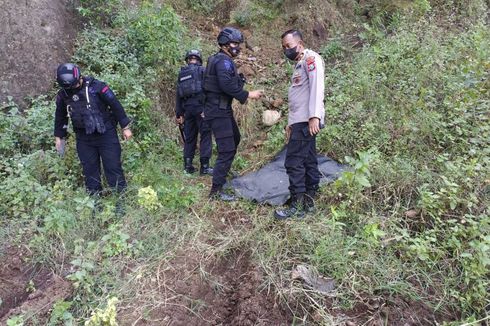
[
  {"x": 189, "y": 108},
  {"x": 222, "y": 84},
  {"x": 94, "y": 112}
]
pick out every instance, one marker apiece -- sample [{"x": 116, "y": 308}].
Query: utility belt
[
  {"x": 101, "y": 127},
  {"x": 199, "y": 96},
  {"x": 222, "y": 101}
]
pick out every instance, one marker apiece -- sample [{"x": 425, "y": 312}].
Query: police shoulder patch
[
  {"x": 310, "y": 63},
  {"x": 228, "y": 65},
  {"x": 106, "y": 91}
]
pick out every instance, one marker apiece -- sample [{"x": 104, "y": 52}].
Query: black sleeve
[
  {"x": 60, "y": 118},
  {"x": 109, "y": 98},
  {"x": 228, "y": 80},
  {"x": 179, "y": 110}
]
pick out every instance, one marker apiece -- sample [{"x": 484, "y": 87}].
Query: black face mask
[
  {"x": 291, "y": 54},
  {"x": 72, "y": 90},
  {"x": 234, "y": 51}
]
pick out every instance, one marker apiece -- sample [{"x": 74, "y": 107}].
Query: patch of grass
[{"x": 253, "y": 12}]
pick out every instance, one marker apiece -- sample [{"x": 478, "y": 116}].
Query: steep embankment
[{"x": 35, "y": 37}]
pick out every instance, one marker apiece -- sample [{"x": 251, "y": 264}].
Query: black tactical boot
[
  {"x": 296, "y": 209},
  {"x": 309, "y": 201},
  {"x": 188, "y": 167},
  {"x": 217, "y": 193},
  {"x": 205, "y": 168}
]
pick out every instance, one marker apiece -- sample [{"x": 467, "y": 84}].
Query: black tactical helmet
[
  {"x": 230, "y": 34},
  {"x": 68, "y": 75},
  {"x": 193, "y": 53}
]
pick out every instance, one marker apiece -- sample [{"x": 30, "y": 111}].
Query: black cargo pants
[
  {"x": 227, "y": 138},
  {"x": 301, "y": 161}
]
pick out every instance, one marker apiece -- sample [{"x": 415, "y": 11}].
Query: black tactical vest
[
  {"x": 211, "y": 84},
  {"x": 210, "y": 77},
  {"x": 190, "y": 81},
  {"x": 82, "y": 113}
]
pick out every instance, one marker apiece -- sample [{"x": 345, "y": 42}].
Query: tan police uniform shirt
[{"x": 306, "y": 92}]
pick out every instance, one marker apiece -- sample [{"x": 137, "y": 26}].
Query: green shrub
[
  {"x": 24, "y": 132},
  {"x": 253, "y": 13},
  {"x": 419, "y": 98},
  {"x": 204, "y": 6},
  {"x": 156, "y": 32},
  {"x": 109, "y": 57},
  {"x": 99, "y": 11}
]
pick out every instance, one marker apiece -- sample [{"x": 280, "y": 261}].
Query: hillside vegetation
[{"x": 404, "y": 233}]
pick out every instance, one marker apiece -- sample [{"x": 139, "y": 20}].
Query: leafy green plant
[
  {"x": 174, "y": 195},
  {"x": 116, "y": 242},
  {"x": 60, "y": 314},
  {"x": 357, "y": 178},
  {"x": 106, "y": 316},
  {"x": 98, "y": 11},
  {"x": 253, "y": 12},
  {"x": 16, "y": 321},
  {"x": 84, "y": 266},
  {"x": 156, "y": 32},
  {"x": 332, "y": 50},
  {"x": 204, "y": 6},
  {"x": 148, "y": 199}
]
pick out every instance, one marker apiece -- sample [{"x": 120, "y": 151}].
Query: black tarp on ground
[{"x": 270, "y": 183}]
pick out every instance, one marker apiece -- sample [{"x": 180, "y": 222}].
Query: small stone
[
  {"x": 258, "y": 143},
  {"x": 270, "y": 117},
  {"x": 411, "y": 213}
]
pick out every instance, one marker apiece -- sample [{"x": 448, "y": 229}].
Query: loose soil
[
  {"x": 223, "y": 292},
  {"x": 394, "y": 312},
  {"x": 26, "y": 289},
  {"x": 200, "y": 288}
]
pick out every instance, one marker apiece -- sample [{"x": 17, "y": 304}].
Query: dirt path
[{"x": 199, "y": 286}]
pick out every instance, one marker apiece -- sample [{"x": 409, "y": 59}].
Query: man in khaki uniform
[{"x": 305, "y": 119}]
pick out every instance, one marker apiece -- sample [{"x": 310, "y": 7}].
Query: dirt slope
[{"x": 36, "y": 35}]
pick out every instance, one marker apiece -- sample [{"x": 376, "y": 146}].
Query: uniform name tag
[{"x": 185, "y": 77}]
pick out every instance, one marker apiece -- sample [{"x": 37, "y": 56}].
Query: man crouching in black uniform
[
  {"x": 222, "y": 84},
  {"x": 94, "y": 112}
]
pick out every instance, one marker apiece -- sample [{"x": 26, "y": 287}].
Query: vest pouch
[
  {"x": 99, "y": 121},
  {"x": 223, "y": 102},
  {"x": 76, "y": 116},
  {"x": 89, "y": 122},
  {"x": 93, "y": 122}
]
